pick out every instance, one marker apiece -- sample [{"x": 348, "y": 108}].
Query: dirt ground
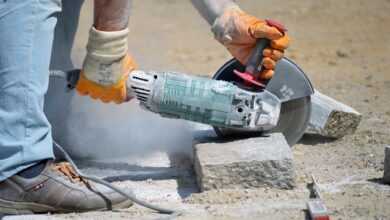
[{"x": 342, "y": 45}]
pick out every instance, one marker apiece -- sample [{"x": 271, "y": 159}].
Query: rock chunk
[
  {"x": 250, "y": 163},
  {"x": 330, "y": 118}
]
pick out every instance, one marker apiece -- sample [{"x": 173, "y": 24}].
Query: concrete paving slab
[
  {"x": 330, "y": 118},
  {"x": 250, "y": 163}
]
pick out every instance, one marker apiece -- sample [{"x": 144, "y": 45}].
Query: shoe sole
[{"x": 25, "y": 208}]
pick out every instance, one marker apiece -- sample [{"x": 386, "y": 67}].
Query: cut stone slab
[
  {"x": 250, "y": 163},
  {"x": 330, "y": 118},
  {"x": 386, "y": 175}
]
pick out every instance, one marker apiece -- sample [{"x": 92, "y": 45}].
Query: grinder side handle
[{"x": 254, "y": 65}]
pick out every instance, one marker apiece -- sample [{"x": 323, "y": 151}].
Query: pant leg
[
  {"x": 26, "y": 35},
  {"x": 64, "y": 35},
  {"x": 56, "y": 111}
]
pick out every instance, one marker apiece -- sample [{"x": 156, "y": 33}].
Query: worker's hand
[
  {"x": 238, "y": 32},
  {"x": 106, "y": 66}
]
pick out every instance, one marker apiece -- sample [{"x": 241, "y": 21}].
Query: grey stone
[
  {"x": 250, "y": 163},
  {"x": 386, "y": 174},
  {"x": 330, "y": 118}
]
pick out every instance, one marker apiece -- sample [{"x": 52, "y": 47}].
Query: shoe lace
[{"x": 67, "y": 170}]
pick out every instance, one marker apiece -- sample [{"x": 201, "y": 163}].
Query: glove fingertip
[
  {"x": 268, "y": 61},
  {"x": 278, "y": 56},
  {"x": 281, "y": 43},
  {"x": 117, "y": 100},
  {"x": 93, "y": 95},
  {"x": 104, "y": 99},
  {"x": 269, "y": 65},
  {"x": 265, "y": 31},
  {"x": 82, "y": 92},
  {"x": 267, "y": 52},
  {"x": 266, "y": 74}
]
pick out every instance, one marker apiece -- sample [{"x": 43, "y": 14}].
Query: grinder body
[
  {"x": 227, "y": 103},
  {"x": 204, "y": 100}
]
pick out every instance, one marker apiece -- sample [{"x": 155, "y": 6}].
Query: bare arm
[
  {"x": 211, "y": 9},
  {"x": 111, "y": 15}
]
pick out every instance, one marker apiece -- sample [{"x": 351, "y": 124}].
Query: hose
[{"x": 130, "y": 195}]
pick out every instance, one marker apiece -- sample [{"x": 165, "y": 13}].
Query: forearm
[
  {"x": 111, "y": 15},
  {"x": 211, "y": 9}
]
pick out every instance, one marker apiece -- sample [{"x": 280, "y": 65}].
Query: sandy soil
[{"x": 342, "y": 45}]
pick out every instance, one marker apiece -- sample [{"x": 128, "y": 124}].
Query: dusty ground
[{"x": 342, "y": 45}]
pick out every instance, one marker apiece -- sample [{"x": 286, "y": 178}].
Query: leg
[
  {"x": 64, "y": 35},
  {"x": 26, "y": 40},
  {"x": 65, "y": 31},
  {"x": 25, "y": 135}
]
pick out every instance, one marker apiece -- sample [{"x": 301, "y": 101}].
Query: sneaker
[{"x": 56, "y": 189}]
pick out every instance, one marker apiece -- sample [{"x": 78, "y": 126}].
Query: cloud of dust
[{"x": 90, "y": 129}]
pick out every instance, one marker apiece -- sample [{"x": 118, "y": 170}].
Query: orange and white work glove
[
  {"x": 106, "y": 66},
  {"x": 239, "y": 31}
]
